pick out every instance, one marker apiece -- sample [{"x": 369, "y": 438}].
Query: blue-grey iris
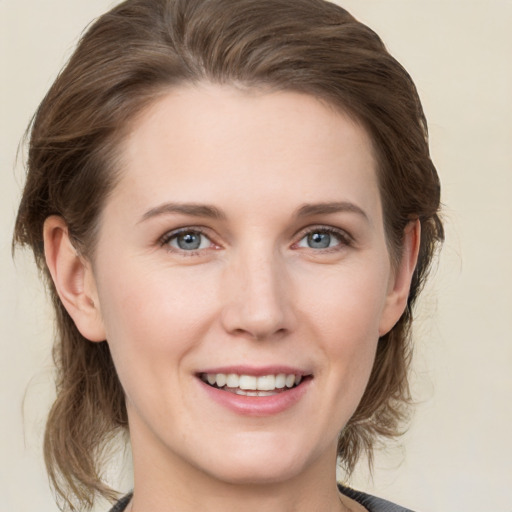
[
  {"x": 189, "y": 241},
  {"x": 319, "y": 240}
]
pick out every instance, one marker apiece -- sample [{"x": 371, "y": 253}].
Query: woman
[{"x": 235, "y": 209}]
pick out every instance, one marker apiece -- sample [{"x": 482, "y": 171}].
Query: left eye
[
  {"x": 320, "y": 239},
  {"x": 189, "y": 241}
]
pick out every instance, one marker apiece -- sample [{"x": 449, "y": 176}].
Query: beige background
[{"x": 457, "y": 455}]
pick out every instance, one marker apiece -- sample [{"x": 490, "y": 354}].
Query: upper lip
[{"x": 256, "y": 371}]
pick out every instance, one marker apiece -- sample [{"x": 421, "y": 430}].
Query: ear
[
  {"x": 73, "y": 279},
  {"x": 400, "y": 281}
]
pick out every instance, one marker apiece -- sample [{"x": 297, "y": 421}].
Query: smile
[{"x": 251, "y": 385}]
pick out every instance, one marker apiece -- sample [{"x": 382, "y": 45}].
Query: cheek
[
  {"x": 347, "y": 301},
  {"x": 344, "y": 309},
  {"x": 153, "y": 318}
]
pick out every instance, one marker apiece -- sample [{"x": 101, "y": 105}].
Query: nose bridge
[{"x": 257, "y": 301}]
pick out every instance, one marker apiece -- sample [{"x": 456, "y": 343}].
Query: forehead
[{"x": 264, "y": 145}]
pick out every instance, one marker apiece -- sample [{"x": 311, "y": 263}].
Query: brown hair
[{"x": 127, "y": 58}]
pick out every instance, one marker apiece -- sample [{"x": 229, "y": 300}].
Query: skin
[{"x": 255, "y": 293}]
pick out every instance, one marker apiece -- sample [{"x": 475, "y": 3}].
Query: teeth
[
  {"x": 247, "y": 382},
  {"x": 249, "y": 385},
  {"x": 267, "y": 382},
  {"x": 280, "y": 381},
  {"x": 290, "y": 381},
  {"x": 246, "y": 393},
  {"x": 253, "y": 393},
  {"x": 232, "y": 380}
]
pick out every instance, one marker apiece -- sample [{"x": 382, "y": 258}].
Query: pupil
[
  {"x": 319, "y": 240},
  {"x": 189, "y": 241}
]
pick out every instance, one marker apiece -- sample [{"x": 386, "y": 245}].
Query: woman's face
[{"x": 243, "y": 281}]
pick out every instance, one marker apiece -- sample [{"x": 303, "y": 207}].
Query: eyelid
[
  {"x": 164, "y": 240},
  {"x": 346, "y": 239}
]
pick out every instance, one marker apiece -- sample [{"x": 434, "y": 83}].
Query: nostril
[{"x": 257, "y": 304}]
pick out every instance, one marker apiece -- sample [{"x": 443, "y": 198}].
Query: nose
[{"x": 257, "y": 298}]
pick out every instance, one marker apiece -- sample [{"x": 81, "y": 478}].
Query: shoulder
[
  {"x": 371, "y": 503},
  {"x": 121, "y": 504}
]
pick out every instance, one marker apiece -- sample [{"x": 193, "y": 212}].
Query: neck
[{"x": 164, "y": 483}]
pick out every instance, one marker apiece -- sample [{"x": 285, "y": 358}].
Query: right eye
[
  {"x": 187, "y": 240},
  {"x": 319, "y": 239}
]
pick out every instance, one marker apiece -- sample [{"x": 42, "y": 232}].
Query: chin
[
  {"x": 256, "y": 473},
  {"x": 258, "y": 464}
]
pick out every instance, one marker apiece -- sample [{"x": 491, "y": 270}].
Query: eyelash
[
  {"x": 166, "y": 239},
  {"x": 344, "y": 239}
]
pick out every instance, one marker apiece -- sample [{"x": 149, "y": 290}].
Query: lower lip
[{"x": 257, "y": 405}]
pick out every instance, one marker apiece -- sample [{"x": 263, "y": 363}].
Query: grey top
[
  {"x": 371, "y": 503},
  {"x": 122, "y": 503}
]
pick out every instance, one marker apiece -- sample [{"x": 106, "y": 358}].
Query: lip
[
  {"x": 256, "y": 405},
  {"x": 256, "y": 371}
]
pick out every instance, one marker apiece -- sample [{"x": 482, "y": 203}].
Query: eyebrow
[
  {"x": 212, "y": 212},
  {"x": 192, "y": 209},
  {"x": 309, "y": 210}
]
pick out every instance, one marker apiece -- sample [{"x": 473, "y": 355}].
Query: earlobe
[
  {"x": 73, "y": 279},
  {"x": 400, "y": 283}
]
